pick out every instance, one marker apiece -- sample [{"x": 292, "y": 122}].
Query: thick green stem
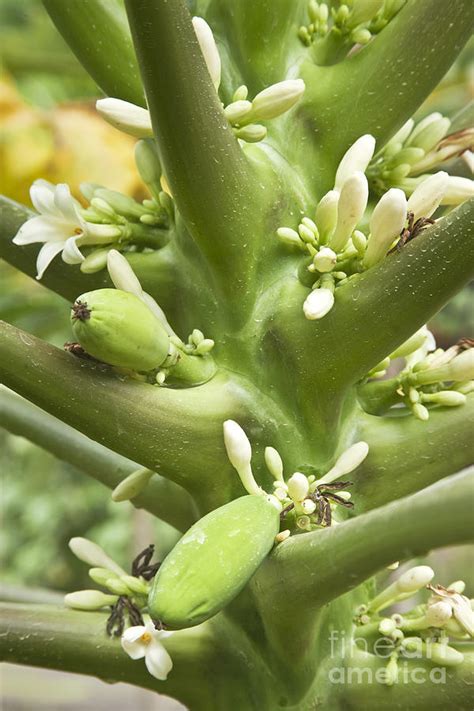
[
  {"x": 380, "y": 87},
  {"x": 406, "y": 455},
  {"x": 212, "y": 182},
  {"x": 57, "y": 638},
  {"x": 98, "y": 34},
  {"x": 177, "y": 433},
  {"x": 162, "y": 497}
]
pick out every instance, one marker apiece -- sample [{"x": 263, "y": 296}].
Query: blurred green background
[{"x": 45, "y": 98}]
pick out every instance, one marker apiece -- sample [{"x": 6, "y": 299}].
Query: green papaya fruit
[
  {"x": 213, "y": 561},
  {"x": 119, "y": 329}
]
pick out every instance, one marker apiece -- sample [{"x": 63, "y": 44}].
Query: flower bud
[
  {"x": 422, "y": 125},
  {"x": 274, "y": 463},
  {"x": 289, "y": 236},
  {"x": 101, "y": 576},
  {"x": 427, "y": 197},
  {"x": 93, "y": 555},
  {"x": 209, "y": 49},
  {"x": 386, "y": 223},
  {"x": 414, "y": 579},
  {"x": 355, "y": 160},
  {"x": 89, "y": 600},
  {"x": 308, "y": 506},
  {"x": 458, "y": 190},
  {"x": 420, "y": 412},
  {"x": 387, "y": 626},
  {"x": 240, "y": 94},
  {"x": 325, "y": 260},
  {"x": 125, "y": 116},
  {"x": 148, "y": 165},
  {"x": 442, "y": 654},
  {"x": 277, "y": 99},
  {"x": 411, "y": 345},
  {"x": 438, "y": 614},
  {"x": 298, "y": 486},
  {"x": 318, "y": 303},
  {"x": 326, "y": 215},
  {"x": 239, "y": 452},
  {"x": 361, "y": 35},
  {"x": 132, "y": 485},
  {"x": 237, "y": 110},
  {"x": 445, "y": 398},
  {"x": 363, "y": 11},
  {"x": 95, "y": 261},
  {"x": 117, "y": 586},
  {"x": 347, "y": 462},
  {"x": 136, "y": 585},
  {"x": 459, "y": 368},
  {"x": 431, "y": 135},
  {"x": 351, "y": 208},
  {"x": 253, "y": 133}
]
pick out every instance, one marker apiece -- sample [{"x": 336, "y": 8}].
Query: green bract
[
  {"x": 213, "y": 561},
  {"x": 117, "y": 328}
]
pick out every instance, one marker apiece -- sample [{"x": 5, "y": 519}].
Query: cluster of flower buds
[
  {"x": 418, "y": 148},
  {"x": 125, "y": 593},
  {"x": 306, "y": 502},
  {"x": 351, "y": 23},
  {"x": 430, "y": 377},
  {"x": 338, "y": 247},
  {"x": 243, "y": 115},
  {"x": 425, "y": 631}
]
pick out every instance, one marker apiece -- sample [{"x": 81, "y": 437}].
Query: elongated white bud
[
  {"x": 326, "y": 215},
  {"x": 148, "y": 164},
  {"x": 125, "y": 116},
  {"x": 414, "y": 579},
  {"x": 132, "y": 485},
  {"x": 459, "y": 368},
  {"x": 89, "y": 600},
  {"x": 446, "y": 398},
  {"x": 351, "y": 208},
  {"x": 298, "y": 486},
  {"x": 209, "y": 49},
  {"x": 355, "y": 160},
  {"x": 402, "y": 134},
  {"x": 421, "y": 125},
  {"x": 277, "y": 99},
  {"x": 318, "y": 303},
  {"x": 122, "y": 274},
  {"x": 237, "y": 111},
  {"x": 431, "y": 135},
  {"x": 274, "y": 463},
  {"x": 458, "y": 190},
  {"x": 434, "y": 651},
  {"x": 386, "y": 223},
  {"x": 347, "y": 462},
  {"x": 239, "y": 451},
  {"x": 411, "y": 345},
  {"x": 289, "y": 236},
  {"x": 427, "y": 197},
  {"x": 325, "y": 260},
  {"x": 93, "y": 555}
]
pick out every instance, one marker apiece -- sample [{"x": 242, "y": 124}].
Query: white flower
[
  {"x": 125, "y": 116},
  {"x": 318, "y": 303},
  {"x": 356, "y": 159},
  {"x": 209, "y": 49},
  {"x": 143, "y": 641},
  {"x": 60, "y": 226}
]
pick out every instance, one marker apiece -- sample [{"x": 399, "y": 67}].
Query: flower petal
[
  {"x": 158, "y": 661},
  {"x": 65, "y": 203},
  {"x": 46, "y": 255},
  {"x": 41, "y": 229},
  {"x": 131, "y": 643},
  {"x": 42, "y": 197},
  {"x": 71, "y": 251}
]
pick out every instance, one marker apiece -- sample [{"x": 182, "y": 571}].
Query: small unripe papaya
[
  {"x": 213, "y": 561},
  {"x": 119, "y": 329}
]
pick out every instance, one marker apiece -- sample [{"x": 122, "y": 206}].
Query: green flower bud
[
  {"x": 238, "y": 110},
  {"x": 277, "y": 99},
  {"x": 89, "y": 600},
  {"x": 241, "y": 93},
  {"x": 101, "y": 576},
  {"x": 95, "y": 261},
  {"x": 446, "y": 398},
  {"x": 118, "y": 328},
  {"x": 253, "y": 133},
  {"x": 326, "y": 215},
  {"x": 132, "y": 485},
  {"x": 136, "y": 585}
]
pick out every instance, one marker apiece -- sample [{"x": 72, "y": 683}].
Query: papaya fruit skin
[
  {"x": 119, "y": 329},
  {"x": 213, "y": 561}
]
